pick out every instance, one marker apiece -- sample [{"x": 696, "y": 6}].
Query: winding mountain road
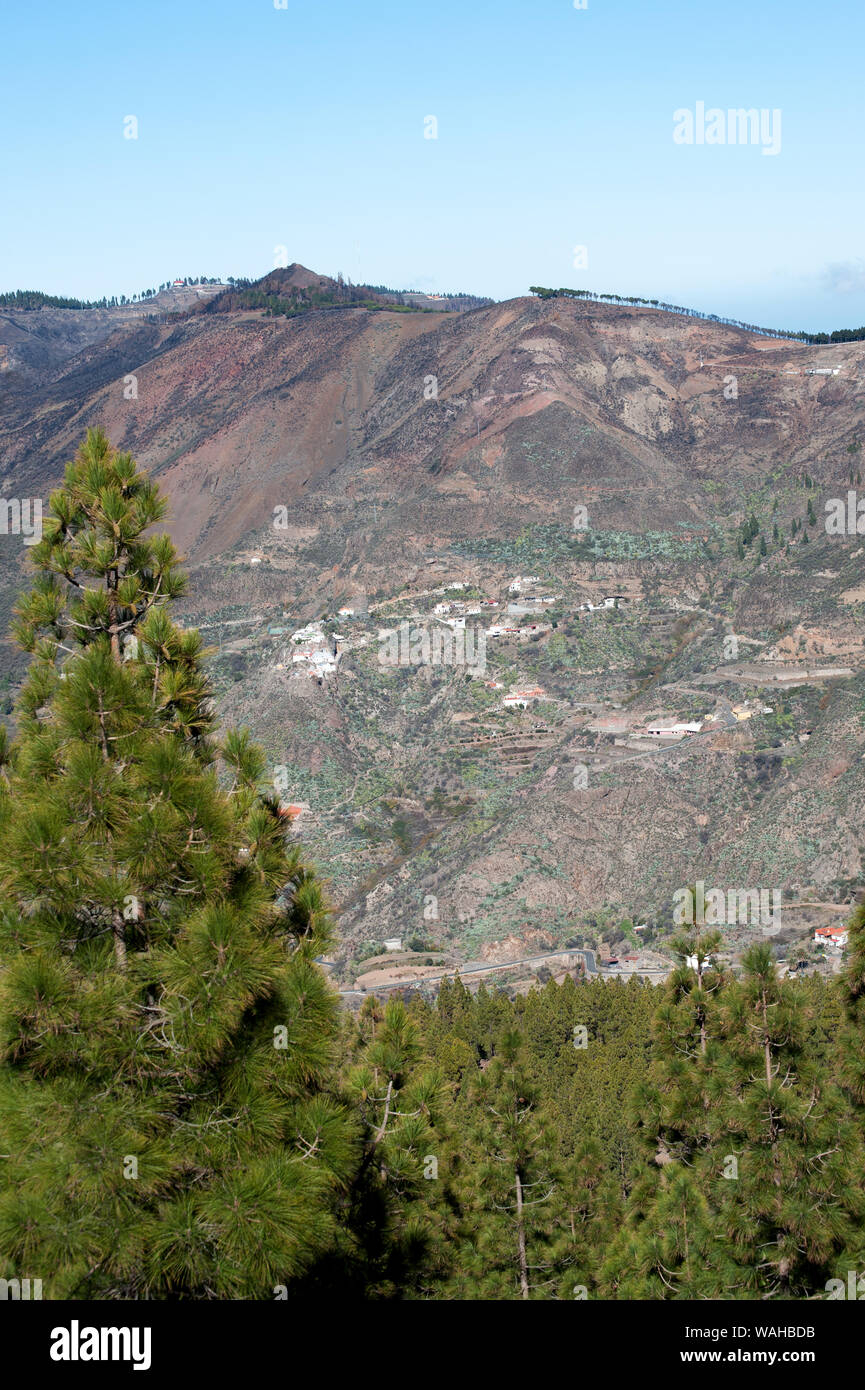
[{"x": 474, "y": 968}]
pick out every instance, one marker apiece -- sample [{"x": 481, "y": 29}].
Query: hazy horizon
[{"x": 451, "y": 149}]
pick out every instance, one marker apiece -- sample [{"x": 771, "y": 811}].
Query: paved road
[{"x": 474, "y": 968}]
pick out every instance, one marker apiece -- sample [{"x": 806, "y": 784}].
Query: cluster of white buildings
[
  {"x": 531, "y": 604},
  {"x": 604, "y": 603},
  {"x": 456, "y": 609},
  {"x": 521, "y": 699},
  {"x": 812, "y": 371},
  {"x": 311, "y": 652},
  {"x": 836, "y": 937},
  {"x": 671, "y": 728}
]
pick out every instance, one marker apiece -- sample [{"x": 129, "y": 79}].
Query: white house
[
  {"x": 521, "y": 699},
  {"x": 831, "y": 936},
  {"x": 669, "y": 729},
  {"x": 311, "y": 633},
  {"x": 692, "y": 963},
  {"x": 393, "y": 943},
  {"x": 594, "y": 607}
]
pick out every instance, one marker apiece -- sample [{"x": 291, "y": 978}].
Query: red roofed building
[{"x": 831, "y": 936}]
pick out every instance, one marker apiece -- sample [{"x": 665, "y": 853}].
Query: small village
[
  {"x": 508, "y": 715},
  {"x": 315, "y": 651}
]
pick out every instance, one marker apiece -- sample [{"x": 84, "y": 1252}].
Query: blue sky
[{"x": 303, "y": 127}]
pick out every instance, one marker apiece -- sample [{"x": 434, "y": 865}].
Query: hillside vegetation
[{"x": 184, "y": 1112}]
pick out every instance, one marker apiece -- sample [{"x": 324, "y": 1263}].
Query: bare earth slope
[{"x": 359, "y": 459}]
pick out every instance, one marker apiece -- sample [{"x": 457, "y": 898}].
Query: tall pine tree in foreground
[
  {"x": 668, "y": 1246},
  {"x": 796, "y": 1203},
  {"x": 754, "y": 1189},
  {"x": 511, "y": 1241},
  {"x": 397, "y": 1099},
  {"x": 851, "y": 1064},
  {"x": 852, "y": 1051},
  {"x": 167, "y": 1127}
]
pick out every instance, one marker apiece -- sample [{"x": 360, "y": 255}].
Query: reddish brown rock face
[{"x": 349, "y": 458}]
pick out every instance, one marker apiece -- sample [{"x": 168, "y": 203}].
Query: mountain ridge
[{"x": 406, "y": 451}]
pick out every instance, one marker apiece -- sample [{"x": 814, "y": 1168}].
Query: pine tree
[
  {"x": 591, "y": 1217},
  {"x": 673, "y": 1106},
  {"x": 667, "y": 1247},
  {"x": 794, "y": 1200},
  {"x": 509, "y": 1241},
  {"x": 388, "y": 1210},
  {"x": 167, "y": 1127},
  {"x": 673, "y": 1251},
  {"x": 852, "y": 1051}
]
